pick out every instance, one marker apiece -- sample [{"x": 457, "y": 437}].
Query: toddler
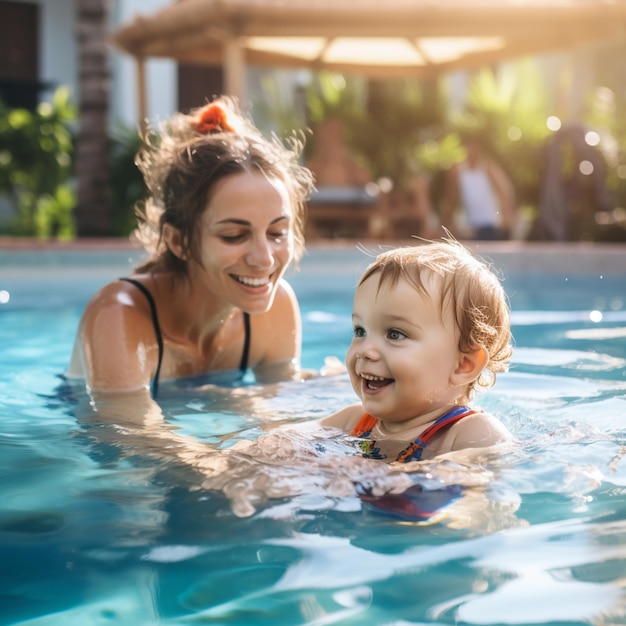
[{"x": 431, "y": 327}]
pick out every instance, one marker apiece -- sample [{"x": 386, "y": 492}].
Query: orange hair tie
[{"x": 212, "y": 118}]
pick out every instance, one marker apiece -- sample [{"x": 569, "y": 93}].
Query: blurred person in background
[
  {"x": 574, "y": 193},
  {"x": 478, "y": 199}
]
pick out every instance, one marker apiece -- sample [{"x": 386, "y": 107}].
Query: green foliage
[
  {"x": 54, "y": 214},
  {"x": 35, "y": 166},
  {"x": 399, "y": 128},
  {"x": 274, "y": 108},
  {"x": 127, "y": 184},
  {"x": 400, "y": 115},
  {"x": 332, "y": 95},
  {"x": 508, "y": 112},
  {"x": 607, "y": 115},
  {"x": 383, "y": 120},
  {"x": 36, "y": 152},
  {"x": 435, "y": 154}
]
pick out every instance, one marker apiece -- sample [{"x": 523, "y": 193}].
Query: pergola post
[
  {"x": 142, "y": 99},
  {"x": 235, "y": 68}
]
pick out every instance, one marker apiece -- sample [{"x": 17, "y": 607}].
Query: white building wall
[
  {"x": 57, "y": 40},
  {"x": 161, "y": 74}
]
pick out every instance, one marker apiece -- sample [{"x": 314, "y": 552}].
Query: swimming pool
[{"x": 96, "y": 530}]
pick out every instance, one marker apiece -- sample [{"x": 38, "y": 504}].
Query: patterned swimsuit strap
[
  {"x": 414, "y": 451},
  {"x": 364, "y": 426}
]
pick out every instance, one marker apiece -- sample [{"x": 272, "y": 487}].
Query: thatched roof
[{"x": 372, "y": 37}]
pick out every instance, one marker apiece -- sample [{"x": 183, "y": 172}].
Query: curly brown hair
[
  {"x": 469, "y": 288},
  {"x": 181, "y": 163}
]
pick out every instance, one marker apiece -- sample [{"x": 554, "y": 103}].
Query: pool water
[{"x": 96, "y": 528}]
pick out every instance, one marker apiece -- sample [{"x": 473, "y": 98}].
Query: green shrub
[
  {"x": 35, "y": 167},
  {"x": 127, "y": 184}
]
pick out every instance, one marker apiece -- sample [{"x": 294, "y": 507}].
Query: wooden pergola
[{"x": 370, "y": 37}]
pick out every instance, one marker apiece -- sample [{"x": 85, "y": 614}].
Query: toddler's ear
[
  {"x": 469, "y": 366},
  {"x": 174, "y": 241}
]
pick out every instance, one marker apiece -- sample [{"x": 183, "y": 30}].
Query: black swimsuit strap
[
  {"x": 157, "y": 330},
  {"x": 243, "y": 366}
]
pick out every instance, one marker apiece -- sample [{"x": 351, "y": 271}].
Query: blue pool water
[{"x": 98, "y": 528}]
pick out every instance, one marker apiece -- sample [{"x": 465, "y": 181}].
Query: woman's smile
[{"x": 251, "y": 281}]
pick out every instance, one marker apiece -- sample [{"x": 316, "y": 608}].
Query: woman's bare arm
[{"x": 116, "y": 347}]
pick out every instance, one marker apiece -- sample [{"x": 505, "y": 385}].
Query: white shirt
[{"x": 479, "y": 197}]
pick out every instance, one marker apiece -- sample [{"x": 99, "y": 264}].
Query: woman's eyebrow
[
  {"x": 233, "y": 220},
  {"x": 239, "y": 222}
]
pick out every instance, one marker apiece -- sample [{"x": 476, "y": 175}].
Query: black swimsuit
[{"x": 154, "y": 386}]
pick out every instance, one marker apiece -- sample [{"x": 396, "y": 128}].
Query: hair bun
[{"x": 212, "y": 118}]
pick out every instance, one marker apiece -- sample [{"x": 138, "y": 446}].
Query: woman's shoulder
[
  {"x": 117, "y": 343},
  {"x": 118, "y": 300},
  {"x": 276, "y": 338},
  {"x": 284, "y": 312},
  {"x": 286, "y": 293}
]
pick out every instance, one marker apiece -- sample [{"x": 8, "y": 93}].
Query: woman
[{"x": 223, "y": 220}]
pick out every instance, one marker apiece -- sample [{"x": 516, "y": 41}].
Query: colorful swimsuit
[
  {"x": 154, "y": 386},
  {"x": 413, "y": 452}
]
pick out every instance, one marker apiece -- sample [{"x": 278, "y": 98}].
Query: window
[{"x": 19, "y": 54}]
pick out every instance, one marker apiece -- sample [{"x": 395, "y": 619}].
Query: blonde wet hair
[
  {"x": 469, "y": 289},
  {"x": 182, "y": 161}
]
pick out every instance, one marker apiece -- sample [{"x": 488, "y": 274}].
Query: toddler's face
[{"x": 404, "y": 351}]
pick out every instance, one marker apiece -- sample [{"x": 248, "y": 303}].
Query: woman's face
[{"x": 246, "y": 240}]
